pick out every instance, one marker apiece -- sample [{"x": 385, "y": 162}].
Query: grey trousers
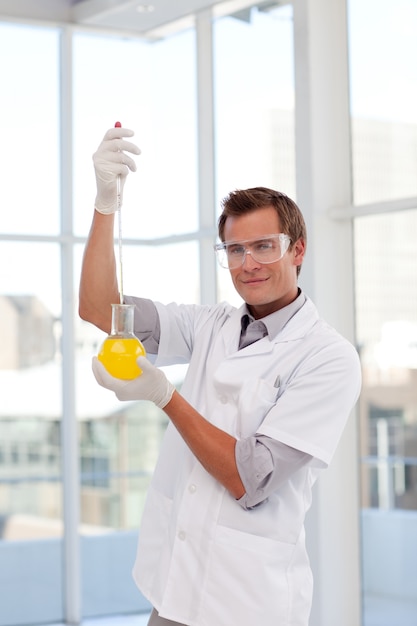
[{"x": 155, "y": 620}]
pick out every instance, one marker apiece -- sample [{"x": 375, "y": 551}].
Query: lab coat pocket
[
  {"x": 256, "y": 398},
  {"x": 248, "y": 575}
]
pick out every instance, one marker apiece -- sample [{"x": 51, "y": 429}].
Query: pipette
[
  {"x": 118, "y": 205},
  {"x": 120, "y": 350}
]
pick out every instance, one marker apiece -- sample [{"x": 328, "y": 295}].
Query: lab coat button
[
  {"x": 181, "y": 535},
  {"x": 223, "y": 399},
  {"x": 192, "y": 488}
]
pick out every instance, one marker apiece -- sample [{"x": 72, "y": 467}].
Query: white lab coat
[{"x": 202, "y": 559}]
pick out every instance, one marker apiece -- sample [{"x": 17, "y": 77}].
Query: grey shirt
[{"x": 263, "y": 463}]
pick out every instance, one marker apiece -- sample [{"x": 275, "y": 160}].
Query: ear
[{"x": 298, "y": 251}]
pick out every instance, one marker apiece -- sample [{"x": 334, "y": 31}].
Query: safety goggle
[{"x": 267, "y": 249}]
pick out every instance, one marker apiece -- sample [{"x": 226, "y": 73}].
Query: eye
[
  {"x": 263, "y": 246},
  {"x": 235, "y": 250}
]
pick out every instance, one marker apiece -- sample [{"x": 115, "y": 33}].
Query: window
[
  {"x": 254, "y": 107},
  {"x": 117, "y": 444},
  {"x": 384, "y": 147},
  {"x": 30, "y": 333}
]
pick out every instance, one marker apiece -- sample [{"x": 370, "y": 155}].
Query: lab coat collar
[{"x": 296, "y": 328}]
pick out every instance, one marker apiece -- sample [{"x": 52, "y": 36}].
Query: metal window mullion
[
  {"x": 69, "y": 431},
  {"x": 374, "y": 208}
]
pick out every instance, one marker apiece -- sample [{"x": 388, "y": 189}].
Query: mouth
[{"x": 254, "y": 281}]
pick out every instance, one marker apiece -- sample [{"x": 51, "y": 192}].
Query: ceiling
[{"x": 147, "y": 18}]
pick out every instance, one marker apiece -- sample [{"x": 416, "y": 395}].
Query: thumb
[
  {"x": 105, "y": 379},
  {"x": 99, "y": 371},
  {"x": 144, "y": 364}
]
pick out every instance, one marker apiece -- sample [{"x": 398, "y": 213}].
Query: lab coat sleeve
[
  {"x": 146, "y": 324},
  {"x": 264, "y": 464},
  {"x": 312, "y": 410},
  {"x": 182, "y": 324}
]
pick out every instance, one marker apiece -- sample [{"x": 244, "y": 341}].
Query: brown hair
[{"x": 243, "y": 201}]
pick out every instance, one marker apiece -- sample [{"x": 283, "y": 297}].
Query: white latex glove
[
  {"x": 152, "y": 384},
  {"x": 110, "y": 160}
]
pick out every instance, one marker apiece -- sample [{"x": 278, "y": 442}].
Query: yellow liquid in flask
[
  {"x": 121, "y": 348},
  {"x": 119, "y": 354}
]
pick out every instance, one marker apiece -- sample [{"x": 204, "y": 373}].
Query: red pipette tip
[{"x": 118, "y": 125}]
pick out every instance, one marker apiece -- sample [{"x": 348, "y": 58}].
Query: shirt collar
[{"x": 275, "y": 322}]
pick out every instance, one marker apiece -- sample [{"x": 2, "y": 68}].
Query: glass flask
[{"x": 121, "y": 348}]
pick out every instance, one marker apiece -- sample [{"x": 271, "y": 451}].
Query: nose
[{"x": 249, "y": 264}]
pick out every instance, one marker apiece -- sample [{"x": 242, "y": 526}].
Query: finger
[
  {"x": 118, "y": 145},
  {"x": 118, "y": 131},
  {"x": 119, "y": 158},
  {"x": 102, "y": 376},
  {"x": 114, "y": 162},
  {"x": 98, "y": 371},
  {"x": 144, "y": 364},
  {"x": 127, "y": 146}
]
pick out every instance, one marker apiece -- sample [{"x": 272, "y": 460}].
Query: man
[{"x": 267, "y": 394}]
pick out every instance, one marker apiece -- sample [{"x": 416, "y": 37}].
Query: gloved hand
[
  {"x": 152, "y": 384},
  {"x": 110, "y": 160}
]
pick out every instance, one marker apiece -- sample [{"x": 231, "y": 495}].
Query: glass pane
[
  {"x": 386, "y": 309},
  {"x": 174, "y": 275},
  {"x": 149, "y": 88},
  {"x": 30, "y": 441},
  {"x": 118, "y": 449},
  {"x": 254, "y": 90},
  {"x": 119, "y": 442},
  {"x": 29, "y": 159},
  {"x": 383, "y": 87},
  {"x": 30, "y": 382}
]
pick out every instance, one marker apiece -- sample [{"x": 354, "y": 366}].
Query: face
[{"x": 265, "y": 288}]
